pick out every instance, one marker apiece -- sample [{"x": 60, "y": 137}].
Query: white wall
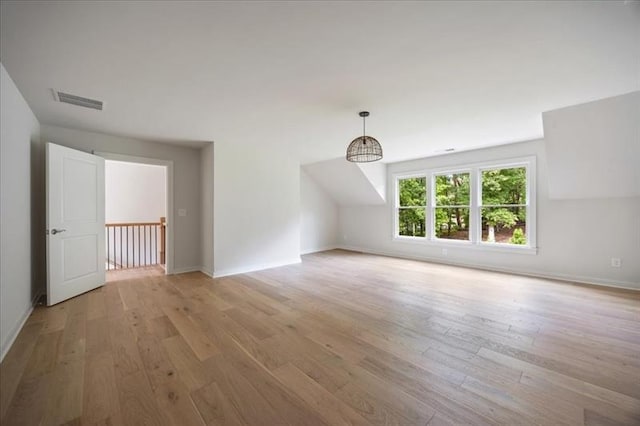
[
  {"x": 206, "y": 197},
  {"x": 318, "y": 217},
  {"x": 19, "y": 136},
  {"x": 186, "y": 181},
  {"x": 576, "y": 238},
  {"x": 134, "y": 192},
  {"x": 256, "y": 208},
  {"x": 590, "y": 148},
  {"x": 376, "y": 173}
]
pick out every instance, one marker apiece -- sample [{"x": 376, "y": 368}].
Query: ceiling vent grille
[{"x": 77, "y": 100}]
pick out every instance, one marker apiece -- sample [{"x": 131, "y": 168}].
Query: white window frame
[
  {"x": 475, "y": 215},
  {"x": 397, "y": 207},
  {"x": 432, "y": 198}
]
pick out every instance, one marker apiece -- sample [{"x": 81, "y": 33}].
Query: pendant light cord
[{"x": 364, "y": 128}]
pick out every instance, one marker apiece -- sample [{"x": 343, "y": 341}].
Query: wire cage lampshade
[{"x": 364, "y": 149}]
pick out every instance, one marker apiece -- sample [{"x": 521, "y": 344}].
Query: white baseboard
[
  {"x": 317, "y": 249},
  {"x": 13, "y": 335},
  {"x": 206, "y": 271},
  {"x": 627, "y": 285},
  {"x": 202, "y": 269},
  {"x": 186, "y": 270},
  {"x": 255, "y": 267}
]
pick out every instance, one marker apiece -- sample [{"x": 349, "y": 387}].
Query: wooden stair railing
[{"x": 135, "y": 244}]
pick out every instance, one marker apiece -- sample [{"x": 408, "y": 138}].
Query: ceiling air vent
[{"x": 77, "y": 100}]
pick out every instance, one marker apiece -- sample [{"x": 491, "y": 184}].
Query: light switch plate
[{"x": 182, "y": 212}]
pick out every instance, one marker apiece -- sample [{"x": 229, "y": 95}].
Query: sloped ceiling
[{"x": 347, "y": 183}]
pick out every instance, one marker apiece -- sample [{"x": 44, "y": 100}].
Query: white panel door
[{"x": 75, "y": 223}]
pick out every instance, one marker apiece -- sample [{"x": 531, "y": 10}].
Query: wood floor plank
[
  {"x": 198, "y": 341},
  {"x": 98, "y": 337},
  {"x": 388, "y": 406},
  {"x": 45, "y": 354},
  {"x": 73, "y": 344},
  {"x": 208, "y": 297},
  {"x": 193, "y": 373},
  {"x": 137, "y": 401},
  {"x": 342, "y": 338},
  {"x": 29, "y": 402},
  {"x": 533, "y": 404},
  {"x": 63, "y": 407},
  {"x": 215, "y": 408},
  {"x": 557, "y": 379},
  {"x": 124, "y": 348},
  {"x": 330, "y": 408},
  {"x": 243, "y": 396},
  {"x": 176, "y": 404},
  {"x": 255, "y": 323},
  {"x": 162, "y": 327},
  {"x": 128, "y": 295},
  {"x": 438, "y": 394},
  {"x": 623, "y": 415},
  {"x": 155, "y": 360},
  {"x": 440, "y": 420},
  {"x": 14, "y": 363},
  {"x": 101, "y": 399},
  {"x": 289, "y": 404},
  {"x": 54, "y": 317},
  {"x": 96, "y": 306}
]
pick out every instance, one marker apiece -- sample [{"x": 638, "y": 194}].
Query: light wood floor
[{"x": 342, "y": 338}]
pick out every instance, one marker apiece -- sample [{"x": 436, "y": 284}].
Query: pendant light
[{"x": 364, "y": 149}]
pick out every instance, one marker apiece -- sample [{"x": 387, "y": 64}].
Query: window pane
[
  {"x": 504, "y": 186},
  {"x": 452, "y": 223},
  {"x": 413, "y": 192},
  {"x": 506, "y": 225},
  {"x": 452, "y": 190},
  {"x": 411, "y": 222}
]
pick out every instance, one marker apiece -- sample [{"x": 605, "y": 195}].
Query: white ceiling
[{"x": 434, "y": 75}]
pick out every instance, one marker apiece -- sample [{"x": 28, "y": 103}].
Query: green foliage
[
  {"x": 518, "y": 237},
  {"x": 504, "y": 186},
  {"x": 500, "y": 217},
  {"x": 505, "y": 189},
  {"x": 449, "y": 221},
  {"x": 452, "y": 190},
  {"x": 413, "y": 193},
  {"x": 411, "y": 222}
]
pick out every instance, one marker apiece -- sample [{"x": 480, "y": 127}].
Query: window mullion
[
  {"x": 475, "y": 185},
  {"x": 431, "y": 211}
]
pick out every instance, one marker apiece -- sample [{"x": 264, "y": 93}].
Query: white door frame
[{"x": 168, "y": 188}]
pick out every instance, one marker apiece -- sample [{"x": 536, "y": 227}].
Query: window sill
[{"x": 468, "y": 245}]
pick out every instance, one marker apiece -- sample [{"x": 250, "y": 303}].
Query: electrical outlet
[
  {"x": 616, "y": 262},
  {"x": 445, "y": 252},
  {"x": 182, "y": 212}
]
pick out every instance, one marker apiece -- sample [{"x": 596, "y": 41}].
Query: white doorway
[{"x": 138, "y": 222}]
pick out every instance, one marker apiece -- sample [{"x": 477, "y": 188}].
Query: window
[
  {"x": 411, "y": 206},
  {"x": 489, "y": 205},
  {"x": 452, "y": 204},
  {"x": 504, "y": 205}
]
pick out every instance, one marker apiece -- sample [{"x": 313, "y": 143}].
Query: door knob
[{"x": 57, "y": 231}]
